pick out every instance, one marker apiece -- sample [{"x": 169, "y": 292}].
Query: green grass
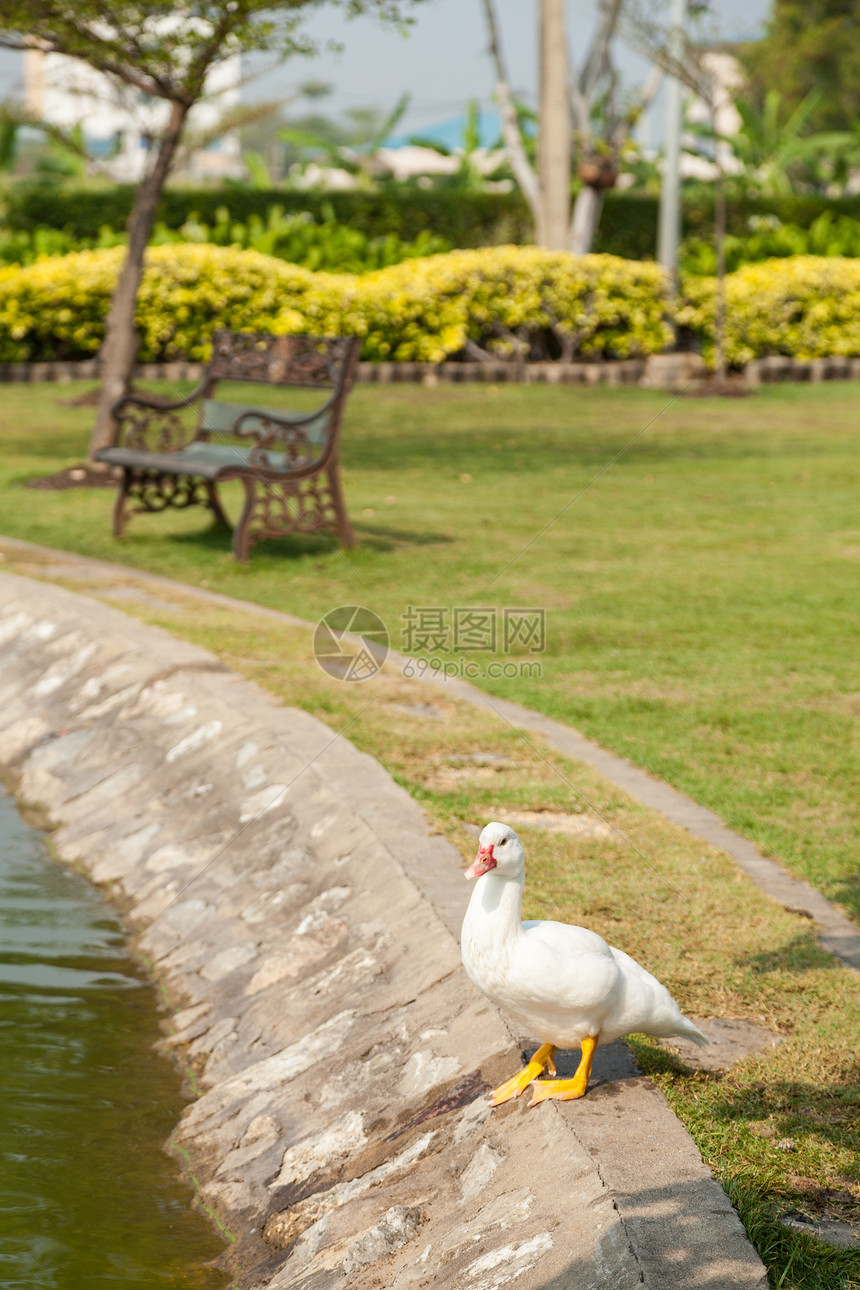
[{"x": 701, "y": 591}]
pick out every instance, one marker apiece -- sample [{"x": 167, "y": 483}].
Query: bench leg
[
  {"x": 120, "y": 509},
  {"x": 242, "y": 531},
  {"x": 278, "y": 509},
  {"x": 215, "y": 505},
  {"x": 344, "y": 528}
]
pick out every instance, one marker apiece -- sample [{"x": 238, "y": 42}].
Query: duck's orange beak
[{"x": 484, "y": 861}]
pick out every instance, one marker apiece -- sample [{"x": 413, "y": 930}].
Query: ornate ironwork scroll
[
  {"x": 311, "y": 361},
  {"x": 292, "y": 441},
  {"x": 154, "y": 491},
  {"x": 278, "y": 510},
  {"x": 152, "y": 429}
]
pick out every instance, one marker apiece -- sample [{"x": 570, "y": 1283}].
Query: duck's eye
[{"x": 502, "y": 843}]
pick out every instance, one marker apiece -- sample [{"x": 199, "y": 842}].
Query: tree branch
[
  {"x": 234, "y": 118},
  {"x": 645, "y": 97},
  {"x": 597, "y": 65},
  {"x": 101, "y": 61},
  {"x": 511, "y": 132}
]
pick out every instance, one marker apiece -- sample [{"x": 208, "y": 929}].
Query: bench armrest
[
  {"x": 283, "y": 433},
  {"x": 152, "y": 424},
  {"x": 282, "y": 419},
  {"x": 156, "y": 401}
]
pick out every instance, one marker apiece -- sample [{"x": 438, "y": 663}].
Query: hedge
[
  {"x": 510, "y": 301},
  {"x": 462, "y": 219},
  {"x": 56, "y": 308},
  {"x": 333, "y": 247},
  {"x": 628, "y": 225}
]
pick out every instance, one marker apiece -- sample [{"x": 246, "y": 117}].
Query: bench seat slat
[{"x": 204, "y": 460}]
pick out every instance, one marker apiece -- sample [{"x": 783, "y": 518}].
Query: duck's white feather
[{"x": 559, "y": 982}]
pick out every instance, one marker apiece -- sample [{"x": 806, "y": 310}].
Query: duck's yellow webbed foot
[
  {"x": 565, "y": 1090},
  {"x": 513, "y": 1087}
]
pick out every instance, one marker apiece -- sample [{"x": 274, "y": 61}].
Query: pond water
[{"x": 88, "y": 1197}]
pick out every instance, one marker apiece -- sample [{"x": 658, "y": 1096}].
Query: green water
[{"x": 88, "y": 1198}]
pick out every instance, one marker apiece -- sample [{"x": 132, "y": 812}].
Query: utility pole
[
  {"x": 554, "y": 137},
  {"x": 669, "y": 234}
]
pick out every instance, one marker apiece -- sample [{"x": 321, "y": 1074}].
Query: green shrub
[
  {"x": 23, "y": 247},
  {"x": 769, "y": 238},
  {"x": 510, "y": 301},
  {"x": 461, "y": 219},
  {"x": 297, "y": 238},
  {"x": 628, "y": 224}
]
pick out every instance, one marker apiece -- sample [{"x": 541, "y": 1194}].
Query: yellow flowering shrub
[
  {"x": 189, "y": 290},
  {"x": 512, "y": 301},
  {"x": 804, "y": 306},
  {"x": 56, "y": 307},
  {"x": 506, "y": 301}
]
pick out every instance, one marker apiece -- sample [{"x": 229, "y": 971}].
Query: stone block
[
  {"x": 672, "y": 371},
  {"x": 776, "y": 367}
]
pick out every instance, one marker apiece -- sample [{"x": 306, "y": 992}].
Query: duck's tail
[{"x": 689, "y": 1031}]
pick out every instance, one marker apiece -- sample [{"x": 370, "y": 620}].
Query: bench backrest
[
  {"x": 218, "y": 417},
  {"x": 312, "y": 362},
  {"x": 324, "y": 363}
]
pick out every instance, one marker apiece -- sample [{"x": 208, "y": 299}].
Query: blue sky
[{"x": 442, "y": 60}]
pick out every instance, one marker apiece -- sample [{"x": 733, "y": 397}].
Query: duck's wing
[
  {"x": 565, "y": 938},
  {"x": 563, "y": 966}
]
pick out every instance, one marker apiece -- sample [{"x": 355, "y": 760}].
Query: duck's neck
[{"x": 494, "y": 909}]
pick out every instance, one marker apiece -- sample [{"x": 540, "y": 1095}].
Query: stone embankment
[{"x": 301, "y": 919}]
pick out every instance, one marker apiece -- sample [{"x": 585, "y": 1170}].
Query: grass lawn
[{"x": 700, "y": 594}]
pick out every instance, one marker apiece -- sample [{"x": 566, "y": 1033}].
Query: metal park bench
[{"x": 289, "y": 469}]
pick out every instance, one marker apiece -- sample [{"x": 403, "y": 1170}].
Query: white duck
[{"x": 564, "y": 984}]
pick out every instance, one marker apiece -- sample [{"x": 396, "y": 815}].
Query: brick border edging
[
  {"x": 657, "y": 371},
  {"x": 620, "y": 372}
]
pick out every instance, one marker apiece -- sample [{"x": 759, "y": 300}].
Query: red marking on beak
[{"x": 484, "y": 861}]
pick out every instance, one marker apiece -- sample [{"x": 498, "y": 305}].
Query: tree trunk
[
  {"x": 586, "y": 217},
  {"x": 554, "y": 137},
  {"x": 120, "y": 345},
  {"x": 669, "y": 227},
  {"x": 720, "y": 303}
]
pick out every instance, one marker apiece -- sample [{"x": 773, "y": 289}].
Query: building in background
[{"x": 119, "y": 123}]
